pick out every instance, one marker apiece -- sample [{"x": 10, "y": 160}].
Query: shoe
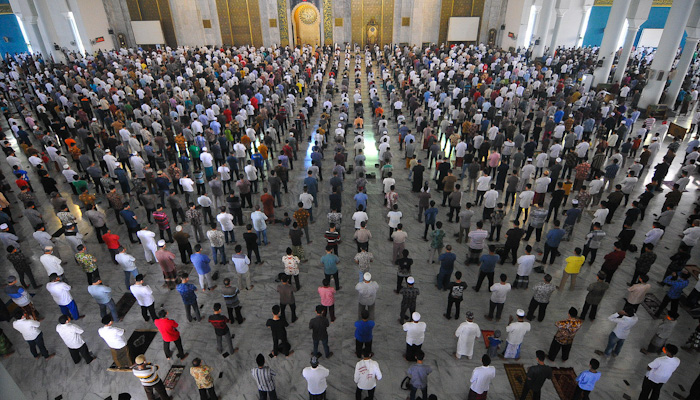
[
  {"x": 488, "y": 318},
  {"x": 329, "y": 355},
  {"x": 184, "y": 356},
  {"x": 446, "y": 316}
]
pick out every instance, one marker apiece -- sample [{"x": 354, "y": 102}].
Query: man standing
[
  {"x": 103, "y": 296},
  {"x": 466, "y": 333},
  {"x": 72, "y": 336},
  {"x": 572, "y": 269},
  {"x": 315, "y": 376},
  {"x": 218, "y": 249},
  {"x": 114, "y": 337},
  {"x": 408, "y": 300},
  {"x": 564, "y": 338},
  {"x": 264, "y": 379},
  {"x": 540, "y": 299},
  {"x": 230, "y": 294},
  {"x": 330, "y": 266},
  {"x": 455, "y": 295},
  {"x": 60, "y": 291},
  {"x": 415, "y": 335},
  {"x": 659, "y": 372},
  {"x": 367, "y": 295},
  {"x": 596, "y": 291},
  {"x": 242, "y": 264},
  {"x": 202, "y": 377},
  {"x": 487, "y": 267},
  {"x": 31, "y": 333},
  {"x": 516, "y": 334},
  {"x": 219, "y": 322},
  {"x": 148, "y": 375},
  {"x": 624, "y": 321},
  {"x": 286, "y": 291},
  {"x": 201, "y": 265},
  {"x": 447, "y": 265},
  {"x": 168, "y": 330},
  {"x": 189, "y": 297},
  {"x": 144, "y": 296},
  {"x": 367, "y": 373},
  {"x": 673, "y": 295},
  {"x": 278, "y": 327},
  {"x": 481, "y": 379},
  {"x": 418, "y": 373},
  {"x": 537, "y": 375},
  {"x": 499, "y": 292},
  {"x": 319, "y": 331}
]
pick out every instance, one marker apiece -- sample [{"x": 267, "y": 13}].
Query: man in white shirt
[
  {"x": 499, "y": 292},
  {"x": 359, "y": 217},
  {"x": 226, "y": 221},
  {"x": 258, "y": 219},
  {"x": 315, "y": 376},
  {"x": 482, "y": 185},
  {"x": 516, "y": 334},
  {"x": 51, "y": 263},
  {"x": 525, "y": 264},
  {"x": 114, "y": 337},
  {"x": 144, "y": 296},
  {"x": 415, "y": 335},
  {"x": 466, "y": 334},
  {"x": 624, "y": 321},
  {"x": 367, "y": 373},
  {"x": 241, "y": 263},
  {"x": 526, "y": 197},
  {"x": 659, "y": 372},
  {"x": 60, "y": 291},
  {"x": 653, "y": 236},
  {"x": 72, "y": 336},
  {"x": 481, "y": 378},
  {"x": 148, "y": 242},
  {"x": 128, "y": 264},
  {"x": 207, "y": 162},
  {"x": 31, "y": 333},
  {"x": 691, "y": 236}
]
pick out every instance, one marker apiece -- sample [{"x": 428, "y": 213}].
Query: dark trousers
[
  {"x": 450, "y": 301},
  {"x": 580, "y": 393},
  {"x": 208, "y": 394},
  {"x": 483, "y": 275},
  {"x": 360, "y": 347},
  {"x": 178, "y": 344},
  {"x": 358, "y": 394},
  {"x": 324, "y": 342},
  {"x": 534, "y": 305},
  {"x": 535, "y": 393},
  {"x": 650, "y": 390},
  {"x": 292, "y": 307},
  {"x": 411, "y": 350},
  {"x": 497, "y": 230},
  {"x": 170, "y": 234},
  {"x": 83, "y": 352},
  {"x": 145, "y": 310},
  {"x": 158, "y": 387},
  {"x": 554, "y": 350},
  {"x": 593, "y": 308},
  {"x": 239, "y": 316},
  {"x": 321, "y": 396},
  {"x": 412, "y": 395},
  {"x": 664, "y": 303},
  {"x": 513, "y": 250},
  {"x": 28, "y": 273},
  {"x": 272, "y": 395},
  {"x": 185, "y": 253},
  {"x": 330, "y": 311},
  {"x": 495, "y": 306},
  {"x": 335, "y": 278},
  {"x": 593, "y": 252},
  {"x": 93, "y": 276},
  {"x": 538, "y": 233},
  {"x": 406, "y": 306},
  {"x": 547, "y": 251},
  {"x": 38, "y": 342},
  {"x": 255, "y": 250}
]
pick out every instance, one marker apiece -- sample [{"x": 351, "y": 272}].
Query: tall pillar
[
  {"x": 544, "y": 19},
  {"x": 613, "y": 29},
  {"x": 666, "y": 52},
  {"x": 691, "y": 43},
  {"x": 584, "y": 21},
  {"x": 557, "y": 25},
  {"x": 636, "y": 16}
]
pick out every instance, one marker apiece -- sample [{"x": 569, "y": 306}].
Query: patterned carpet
[
  {"x": 486, "y": 334},
  {"x": 651, "y": 303},
  {"x": 564, "y": 381},
  {"x": 516, "y": 376},
  {"x": 173, "y": 376}
]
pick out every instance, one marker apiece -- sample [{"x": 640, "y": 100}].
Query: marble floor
[{"x": 47, "y": 379}]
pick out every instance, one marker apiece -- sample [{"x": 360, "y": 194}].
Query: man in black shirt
[
  {"x": 295, "y": 235},
  {"x": 278, "y": 327},
  {"x": 404, "y": 270},
  {"x": 251, "y": 243},
  {"x": 455, "y": 295},
  {"x": 221, "y": 330},
  {"x": 537, "y": 375},
  {"x": 644, "y": 200},
  {"x": 319, "y": 331},
  {"x": 555, "y": 202},
  {"x": 513, "y": 237},
  {"x": 614, "y": 200}
]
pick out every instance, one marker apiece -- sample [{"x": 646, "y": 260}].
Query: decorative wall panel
[
  {"x": 239, "y": 21},
  {"x": 154, "y": 10},
  {"x": 283, "y": 22},
  {"x": 367, "y": 13},
  {"x": 328, "y": 21}
]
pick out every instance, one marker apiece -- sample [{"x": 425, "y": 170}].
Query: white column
[
  {"x": 584, "y": 22},
  {"x": 691, "y": 43},
  {"x": 625, "y": 54},
  {"x": 544, "y": 19},
  {"x": 613, "y": 29},
  {"x": 557, "y": 25},
  {"x": 666, "y": 52}
]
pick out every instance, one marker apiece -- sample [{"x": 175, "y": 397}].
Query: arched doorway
[{"x": 306, "y": 21}]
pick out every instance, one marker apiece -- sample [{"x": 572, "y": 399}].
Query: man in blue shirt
[
  {"x": 554, "y": 237},
  {"x": 674, "y": 294},
  {"x": 447, "y": 265},
  {"x": 586, "y": 380},
  {"x": 132, "y": 225},
  {"x": 360, "y": 200},
  {"x": 363, "y": 335},
  {"x": 103, "y": 296},
  {"x": 189, "y": 297},
  {"x": 312, "y": 184},
  {"x": 430, "y": 217},
  {"x": 487, "y": 267},
  {"x": 201, "y": 264},
  {"x": 330, "y": 266}
]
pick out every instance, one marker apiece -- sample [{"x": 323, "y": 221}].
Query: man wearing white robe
[
  {"x": 148, "y": 242},
  {"x": 466, "y": 334},
  {"x": 516, "y": 333}
]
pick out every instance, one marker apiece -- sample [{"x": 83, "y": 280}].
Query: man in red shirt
[
  {"x": 613, "y": 261},
  {"x": 168, "y": 330},
  {"x": 113, "y": 245}
]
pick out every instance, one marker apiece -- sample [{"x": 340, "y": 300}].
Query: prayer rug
[
  {"x": 486, "y": 334},
  {"x": 564, "y": 381},
  {"x": 516, "y": 376},
  {"x": 651, "y": 303},
  {"x": 173, "y": 376},
  {"x": 138, "y": 343},
  {"x": 124, "y": 304}
]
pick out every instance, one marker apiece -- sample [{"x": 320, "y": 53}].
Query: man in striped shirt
[
  {"x": 148, "y": 375},
  {"x": 264, "y": 378}
]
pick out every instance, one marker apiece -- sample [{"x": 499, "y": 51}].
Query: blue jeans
[
  {"x": 112, "y": 309},
  {"x": 278, "y": 196},
  {"x": 325, "y": 346},
  {"x": 71, "y": 310},
  {"x": 311, "y": 213},
  {"x": 128, "y": 275},
  {"x": 614, "y": 342},
  {"x": 215, "y": 251},
  {"x": 262, "y": 235}
]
